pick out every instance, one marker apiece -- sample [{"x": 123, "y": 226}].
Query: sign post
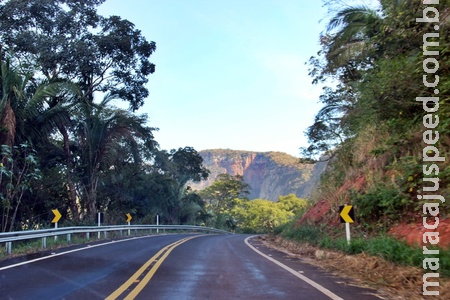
[
  {"x": 347, "y": 216},
  {"x": 99, "y": 222},
  {"x": 56, "y": 219},
  {"x": 157, "y": 223}
]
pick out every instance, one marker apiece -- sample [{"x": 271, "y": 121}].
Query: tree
[
  {"x": 188, "y": 165},
  {"x": 220, "y": 197},
  {"x": 331, "y": 125},
  {"x": 361, "y": 48},
  {"x": 179, "y": 167},
  {"x": 370, "y": 121},
  {"x": 17, "y": 171},
  {"x": 263, "y": 216},
  {"x": 68, "y": 40},
  {"x": 154, "y": 187},
  {"x": 26, "y": 123},
  {"x": 293, "y": 204},
  {"x": 348, "y": 50},
  {"x": 101, "y": 127},
  {"x": 193, "y": 209},
  {"x": 356, "y": 26}
]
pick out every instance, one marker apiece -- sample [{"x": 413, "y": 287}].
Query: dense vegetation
[
  {"x": 372, "y": 64},
  {"x": 384, "y": 246},
  {"x": 384, "y": 128},
  {"x": 228, "y": 206},
  {"x": 64, "y": 144}
]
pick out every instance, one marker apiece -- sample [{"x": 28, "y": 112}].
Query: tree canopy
[
  {"x": 373, "y": 64},
  {"x": 263, "y": 216},
  {"x": 64, "y": 145}
]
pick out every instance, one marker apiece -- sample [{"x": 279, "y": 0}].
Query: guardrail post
[
  {"x": 87, "y": 235},
  {"x": 44, "y": 242},
  {"x": 8, "y": 247},
  {"x": 69, "y": 238},
  {"x": 104, "y": 234}
]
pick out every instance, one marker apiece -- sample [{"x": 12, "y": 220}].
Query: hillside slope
[{"x": 270, "y": 174}]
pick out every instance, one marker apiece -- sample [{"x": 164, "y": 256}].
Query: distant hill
[{"x": 270, "y": 174}]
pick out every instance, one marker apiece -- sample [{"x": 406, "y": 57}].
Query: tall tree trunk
[
  {"x": 91, "y": 195},
  {"x": 7, "y": 134},
  {"x": 72, "y": 192},
  {"x": 8, "y": 125}
]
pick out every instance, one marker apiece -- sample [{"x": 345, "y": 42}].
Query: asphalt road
[{"x": 171, "y": 267}]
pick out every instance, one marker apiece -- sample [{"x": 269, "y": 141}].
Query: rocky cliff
[{"x": 270, "y": 174}]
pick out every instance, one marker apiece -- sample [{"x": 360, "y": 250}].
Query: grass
[
  {"x": 383, "y": 246},
  {"x": 35, "y": 245}
]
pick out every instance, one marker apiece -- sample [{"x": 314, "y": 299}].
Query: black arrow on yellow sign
[
  {"x": 347, "y": 214},
  {"x": 129, "y": 217},
  {"x": 57, "y": 215}
]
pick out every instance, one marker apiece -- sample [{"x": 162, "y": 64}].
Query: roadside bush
[
  {"x": 380, "y": 204},
  {"x": 383, "y": 246},
  {"x": 305, "y": 233}
]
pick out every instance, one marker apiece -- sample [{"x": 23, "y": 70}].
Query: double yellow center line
[{"x": 142, "y": 276}]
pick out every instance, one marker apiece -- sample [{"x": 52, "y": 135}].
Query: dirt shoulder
[{"x": 391, "y": 280}]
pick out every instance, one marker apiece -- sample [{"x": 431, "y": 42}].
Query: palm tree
[
  {"x": 100, "y": 128},
  {"x": 359, "y": 33},
  {"x": 11, "y": 87},
  {"x": 356, "y": 26},
  {"x": 25, "y": 121}
]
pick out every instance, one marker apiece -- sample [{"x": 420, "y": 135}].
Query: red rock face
[
  {"x": 239, "y": 165},
  {"x": 413, "y": 233},
  {"x": 315, "y": 214},
  {"x": 270, "y": 174}
]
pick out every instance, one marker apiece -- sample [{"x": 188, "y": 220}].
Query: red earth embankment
[{"x": 323, "y": 212}]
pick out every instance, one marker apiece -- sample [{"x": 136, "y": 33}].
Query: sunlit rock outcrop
[{"x": 270, "y": 174}]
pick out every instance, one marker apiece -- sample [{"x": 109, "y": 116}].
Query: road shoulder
[{"x": 343, "y": 286}]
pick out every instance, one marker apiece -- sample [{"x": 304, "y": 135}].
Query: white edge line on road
[
  {"x": 70, "y": 251},
  {"x": 302, "y": 277}
]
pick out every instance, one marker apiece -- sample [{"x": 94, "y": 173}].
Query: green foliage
[
  {"x": 188, "y": 165},
  {"x": 292, "y": 203},
  {"x": 363, "y": 49},
  {"x": 160, "y": 189},
  {"x": 307, "y": 233},
  {"x": 371, "y": 62},
  {"x": 94, "y": 156},
  {"x": 228, "y": 206},
  {"x": 260, "y": 216},
  {"x": 379, "y": 204},
  {"x": 383, "y": 246},
  {"x": 18, "y": 169},
  {"x": 101, "y": 128},
  {"x": 221, "y": 197},
  {"x": 72, "y": 42}
]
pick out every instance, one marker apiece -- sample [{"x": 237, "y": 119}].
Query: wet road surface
[{"x": 173, "y": 267}]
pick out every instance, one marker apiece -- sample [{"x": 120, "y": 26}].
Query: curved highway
[{"x": 175, "y": 267}]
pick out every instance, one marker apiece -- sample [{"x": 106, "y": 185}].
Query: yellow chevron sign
[
  {"x": 346, "y": 213},
  {"x": 57, "y": 215},
  {"x": 129, "y": 217}
]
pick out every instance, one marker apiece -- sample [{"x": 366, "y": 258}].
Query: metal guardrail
[{"x": 9, "y": 237}]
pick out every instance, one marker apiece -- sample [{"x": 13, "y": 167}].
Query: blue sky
[{"x": 229, "y": 73}]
